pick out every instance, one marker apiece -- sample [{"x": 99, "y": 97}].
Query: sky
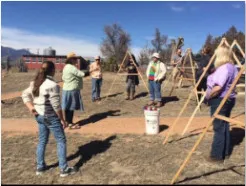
[{"x": 78, "y": 26}]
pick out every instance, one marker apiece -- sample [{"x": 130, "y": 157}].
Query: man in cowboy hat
[
  {"x": 156, "y": 73},
  {"x": 96, "y": 75}
]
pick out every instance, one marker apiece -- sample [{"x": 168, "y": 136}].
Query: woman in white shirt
[{"x": 42, "y": 98}]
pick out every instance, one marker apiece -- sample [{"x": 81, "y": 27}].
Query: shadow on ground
[{"x": 99, "y": 116}]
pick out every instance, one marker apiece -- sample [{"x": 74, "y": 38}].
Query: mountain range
[{"x": 13, "y": 54}]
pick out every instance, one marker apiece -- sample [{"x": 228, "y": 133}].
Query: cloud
[
  {"x": 237, "y": 6},
  {"x": 177, "y": 8},
  {"x": 20, "y": 39}
]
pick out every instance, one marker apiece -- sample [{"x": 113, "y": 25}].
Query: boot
[
  {"x": 127, "y": 95},
  {"x": 132, "y": 95}
]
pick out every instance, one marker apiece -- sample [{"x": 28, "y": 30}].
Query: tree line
[{"x": 117, "y": 41}]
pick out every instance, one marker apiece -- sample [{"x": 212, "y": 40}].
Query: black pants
[
  {"x": 202, "y": 85},
  {"x": 221, "y": 141},
  {"x": 69, "y": 116}
]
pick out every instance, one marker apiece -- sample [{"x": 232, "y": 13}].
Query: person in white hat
[
  {"x": 96, "y": 78},
  {"x": 156, "y": 73}
]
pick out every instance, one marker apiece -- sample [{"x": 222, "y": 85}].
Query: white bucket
[{"x": 152, "y": 121}]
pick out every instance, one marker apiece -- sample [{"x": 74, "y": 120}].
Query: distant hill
[{"x": 13, "y": 53}]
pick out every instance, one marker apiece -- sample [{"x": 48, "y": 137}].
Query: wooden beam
[{"x": 230, "y": 120}]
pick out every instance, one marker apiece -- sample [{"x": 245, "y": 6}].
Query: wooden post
[
  {"x": 193, "y": 114},
  {"x": 209, "y": 123}
]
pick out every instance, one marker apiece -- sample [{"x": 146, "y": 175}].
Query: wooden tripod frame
[
  {"x": 194, "y": 90},
  {"x": 203, "y": 97},
  {"x": 120, "y": 74}
]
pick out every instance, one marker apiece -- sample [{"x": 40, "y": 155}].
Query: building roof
[{"x": 56, "y": 56}]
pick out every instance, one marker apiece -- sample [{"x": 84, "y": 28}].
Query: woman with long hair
[
  {"x": 218, "y": 84},
  {"x": 42, "y": 98},
  {"x": 71, "y": 96}
]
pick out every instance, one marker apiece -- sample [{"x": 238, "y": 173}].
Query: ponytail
[{"x": 47, "y": 69}]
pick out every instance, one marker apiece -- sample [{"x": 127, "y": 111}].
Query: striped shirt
[{"x": 48, "y": 101}]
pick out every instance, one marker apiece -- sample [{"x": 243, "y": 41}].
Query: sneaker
[
  {"x": 40, "y": 171},
  {"x": 68, "y": 171}
]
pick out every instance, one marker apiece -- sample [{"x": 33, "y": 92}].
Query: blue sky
[{"x": 78, "y": 26}]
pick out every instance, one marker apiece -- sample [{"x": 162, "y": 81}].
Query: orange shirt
[{"x": 95, "y": 70}]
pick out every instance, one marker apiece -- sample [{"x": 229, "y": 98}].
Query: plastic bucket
[{"x": 152, "y": 121}]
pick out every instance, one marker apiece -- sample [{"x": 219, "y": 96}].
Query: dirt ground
[
  {"x": 114, "y": 105},
  {"x": 117, "y": 158},
  {"x": 121, "y": 159}
]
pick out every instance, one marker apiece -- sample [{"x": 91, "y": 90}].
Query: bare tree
[
  {"x": 116, "y": 43},
  {"x": 159, "y": 41},
  {"x": 145, "y": 55}
]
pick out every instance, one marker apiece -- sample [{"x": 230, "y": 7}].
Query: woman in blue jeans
[
  {"x": 218, "y": 84},
  {"x": 42, "y": 98}
]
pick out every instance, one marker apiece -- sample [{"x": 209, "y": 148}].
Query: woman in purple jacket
[{"x": 218, "y": 84}]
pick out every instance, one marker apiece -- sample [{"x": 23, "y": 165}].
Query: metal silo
[{"x": 49, "y": 52}]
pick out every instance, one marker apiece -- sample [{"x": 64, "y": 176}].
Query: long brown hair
[{"x": 47, "y": 69}]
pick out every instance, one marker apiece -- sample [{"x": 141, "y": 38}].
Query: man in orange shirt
[{"x": 96, "y": 75}]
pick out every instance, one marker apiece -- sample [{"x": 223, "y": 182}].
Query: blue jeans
[
  {"x": 155, "y": 91},
  {"x": 221, "y": 141},
  {"x": 96, "y": 88},
  {"x": 45, "y": 125}
]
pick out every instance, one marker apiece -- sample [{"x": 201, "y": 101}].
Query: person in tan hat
[
  {"x": 156, "y": 73},
  {"x": 73, "y": 83},
  {"x": 96, "y": 78}
]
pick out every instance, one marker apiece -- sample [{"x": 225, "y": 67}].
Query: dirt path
[{"x": 111, "y": 125}]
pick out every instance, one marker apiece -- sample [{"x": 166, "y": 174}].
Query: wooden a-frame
[
  {"x": 215, "y": 116},
  {"x": 181, "y": 77},
  {"x": 126, "y": 74},
  {"x": 203, "y": 97},
  {"x": 194, "y": 90}
]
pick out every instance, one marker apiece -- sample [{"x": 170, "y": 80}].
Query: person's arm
[
  {"x": 28, "y": 99},
  {"x": 163, "y": 71},
  {"x": 215, "y": 91},
  {"x": 54, "y": 98},
  {"x": 77, "y": 72},
  {"x": 220, "y": 77}
]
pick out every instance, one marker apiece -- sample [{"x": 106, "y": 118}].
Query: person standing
[
  {"x": 156, "y": 72},
  {"x": 73, "y": 83},
  {"x": 176, "y": 62},
  {"x": 202, "y": 63},
  {"x": 96, "y": 78},
  {"x": 42, "y": 98},
  {"x": 132, "y": 79},
  {"x": 218, "y": 84}
]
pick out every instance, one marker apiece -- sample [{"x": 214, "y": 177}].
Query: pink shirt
[
  {"x": 223, "y": 77},
  {"x": 96, "y": 70}
]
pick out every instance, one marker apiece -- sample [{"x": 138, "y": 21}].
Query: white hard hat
[
  {"x": 156, "y": 55},
  {"x": 97, "y": 57}
]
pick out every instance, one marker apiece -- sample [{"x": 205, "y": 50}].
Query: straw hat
[{"x": 71, "y": 54}]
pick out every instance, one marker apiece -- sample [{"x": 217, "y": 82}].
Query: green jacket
[{"x": 72, "y": 78}]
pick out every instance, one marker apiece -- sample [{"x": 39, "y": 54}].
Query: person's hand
[
  {"x": 33, "y": 112},
  {"x": 64, "y": 124}
]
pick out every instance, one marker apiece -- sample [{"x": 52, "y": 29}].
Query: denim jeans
[
  {"x": 96, "y": 88},
  {"x": 45, "y": 126},
  {"x": 130, "y": 86},
  {"x": 155, "y": 91},
  {"x": 221, "y": 141}
]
